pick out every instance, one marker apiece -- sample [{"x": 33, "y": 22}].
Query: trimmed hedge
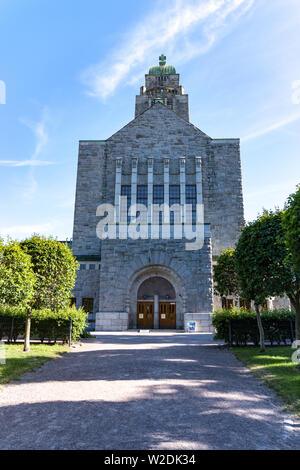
[
  {"x": 239, "y": 326},
  {"x": 45, "y": 324}
]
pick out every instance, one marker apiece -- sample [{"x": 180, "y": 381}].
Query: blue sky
[{"x": 72, "y": 69}]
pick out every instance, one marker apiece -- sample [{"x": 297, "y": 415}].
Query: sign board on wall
[{"x": 192, "y": 326}]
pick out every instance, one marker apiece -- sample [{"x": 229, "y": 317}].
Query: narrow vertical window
[
  {"x": 158, "y": 198},
  {"x": 191, "y": 200},
  {"x": 126, "y": 191},
  {"x": 174, "y": 198},
  {"x": 142, "y": 195}
]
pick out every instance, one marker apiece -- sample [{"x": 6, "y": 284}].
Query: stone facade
[
  {"x": 160, "y": 147},
  {"x": 172, "y": 96},
  {"x": 125, "y": 264}
]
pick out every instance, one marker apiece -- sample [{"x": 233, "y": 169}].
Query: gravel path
[{"x": 144, "y": 391}]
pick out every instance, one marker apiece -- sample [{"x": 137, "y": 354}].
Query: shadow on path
[{"x": 143, "y": 392}]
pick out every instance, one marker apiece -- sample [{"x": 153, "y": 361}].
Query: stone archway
[{"x": 156, "y": 283}]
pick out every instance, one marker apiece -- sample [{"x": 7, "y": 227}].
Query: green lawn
[
  {"x": 18, "y": 362},
  {"x": 276, "y": 369}
]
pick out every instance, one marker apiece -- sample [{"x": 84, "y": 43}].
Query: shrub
[
  {"x": 86, "y": 335},
  {"x": 12, "y": 322},
  {"x": 239, "y": 326},
  {"x": 46, "y": 324},
  {"x": 55, "y": 270}
]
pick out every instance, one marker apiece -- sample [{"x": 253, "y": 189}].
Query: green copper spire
[
  {"x": 162, "y": 69},
  {"x": 162, "y": 60}
]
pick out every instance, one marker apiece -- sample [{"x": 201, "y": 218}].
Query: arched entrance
[
  {"x": 156, "y": 304},
  {"x": 174, "y": 289}
]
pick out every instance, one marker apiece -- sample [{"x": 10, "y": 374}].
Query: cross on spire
[{"x": 162, "y": 60}]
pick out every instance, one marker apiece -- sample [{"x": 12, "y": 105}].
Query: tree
[
  {"x": 260, "y": 262},
  {"x": 55, "y": 269},
  {"x": 225, "y": 277},
  {"x": 291, "y": 234},
  {"x": 17, "y": 279}
]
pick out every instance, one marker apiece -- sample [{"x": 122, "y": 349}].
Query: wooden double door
[
  {"x": 145, "y": 315},
  {"x": 167, "y": 315}
]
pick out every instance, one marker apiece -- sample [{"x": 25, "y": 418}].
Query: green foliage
[
  {"x": 276, "y": 323},
  {"x": 17, "y": 279},
  {"x": 225, "y": 277},
  {"x": 260, "y": 259},
  {"x": 86, "y": 335},
  {"x": 45, "y": 324},
  {"x": 55, "y": 323},
  {"x": 17, "y": 363},
  {"x": 291, "y": 225},
  {"x": 55, "y": 269},
  {"x": 12, "y": 322},
  {"x": 276, "y": 368}
]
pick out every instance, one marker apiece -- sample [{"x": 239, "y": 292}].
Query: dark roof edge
[{"x": 88, "y": 257}]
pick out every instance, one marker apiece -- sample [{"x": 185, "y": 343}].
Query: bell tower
[{"x": 162, "y": 86}]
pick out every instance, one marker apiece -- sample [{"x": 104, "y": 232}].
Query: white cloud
[
  {"x": 296, "y": 92},
  {"x": 268, "y": 196},
  {"x": 41, "y": 140},
  {"x": 186, "y": 29},
  {"x": 16, "y": 163},
  {"x": 22, "y": 231},
  {"x": 58, "y": 227},
  {"x": 270, "y": 128},
  {"x": 282, "y": 187},
  {"x": 39, "y": 130}
]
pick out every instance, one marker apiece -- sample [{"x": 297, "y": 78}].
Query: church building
[{"x": 155, "y": 274}]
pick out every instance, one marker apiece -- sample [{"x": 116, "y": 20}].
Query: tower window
[
  {"x": 142, "y": 194},
  {"x": 158, "y": 198},
  {"x": 174, "y": 198},
  {"x": 126, "y": 191},
  {"x": 191, "y": 199},
  {"x": 158, "y": 194},
  {"x": 174, "y": 194}
]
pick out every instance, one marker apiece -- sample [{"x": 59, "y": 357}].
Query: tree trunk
[
  {"x": 27, "y": 333},
  {"x": 297, "y": 326},
  {"x": 295, "y": 301},
  {"x": 260, "y": 329}
]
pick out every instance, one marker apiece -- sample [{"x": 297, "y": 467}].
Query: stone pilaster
[
  {"x": 133, "y": 185},
  {"x": 118, "y": 188},
  {"x": 150, "y": 192},
  {"x": 156, "y": 311},
  {"x": 199, "y": 191},
  {"x": 166, "y": 215},
  {"x": 182, "y": 187}
]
